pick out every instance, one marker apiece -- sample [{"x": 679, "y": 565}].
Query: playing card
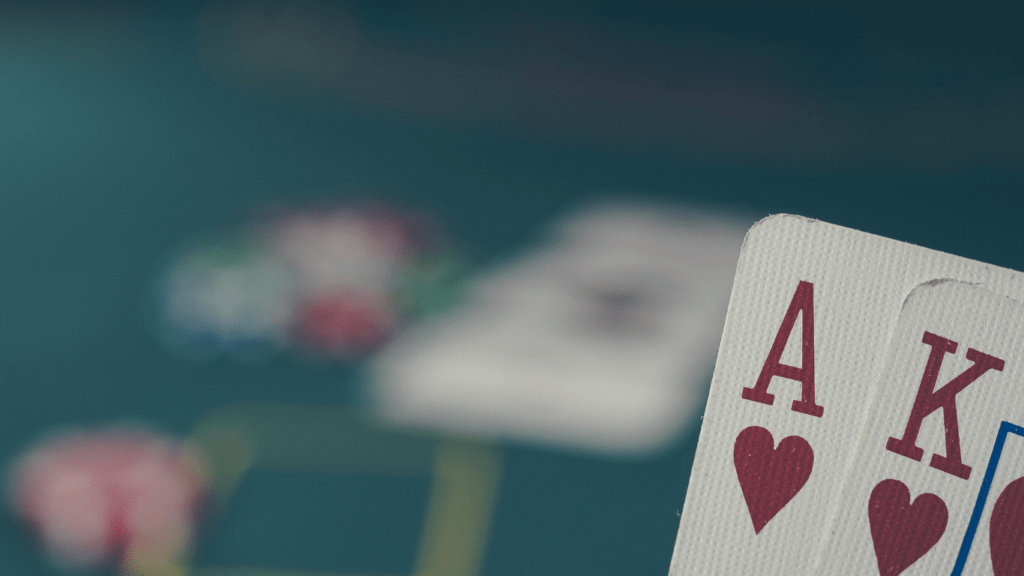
[
  {"x": 602, "y": 342},
  {"x": 953, "y": 375},
  {"x": 812, "y": 309}
]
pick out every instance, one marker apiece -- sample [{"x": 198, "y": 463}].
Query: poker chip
[
  {"x": 115, "y": 495},
  {"x": 232, "y": 297},
  {"x": 333, "y": 282},
  {"x": 347, "y": 265},
  {"x": 344, "y": 324},
  {"x": 341, "y": 251}
]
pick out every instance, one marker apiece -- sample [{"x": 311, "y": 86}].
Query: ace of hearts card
[{"x": 811, "y": 313}]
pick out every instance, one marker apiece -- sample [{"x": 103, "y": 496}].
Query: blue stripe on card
[{"x": 997, "y": 451}]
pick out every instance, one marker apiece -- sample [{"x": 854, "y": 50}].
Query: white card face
[
  {"x": 954, "y": 373},
  {"x": 811, "y": 313},
  {"x": 602, "y": 343}
]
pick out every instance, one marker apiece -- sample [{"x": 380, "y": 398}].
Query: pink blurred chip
[
  {"x": 344, "y": 250},
  {"x": 348, "y": 264},
  {"x": 96, "y": 496}
]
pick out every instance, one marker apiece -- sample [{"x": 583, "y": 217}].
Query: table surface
[{"x": 106, "y": 164}]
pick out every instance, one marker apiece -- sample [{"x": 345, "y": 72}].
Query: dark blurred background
[{"x": 128, "y": 127}]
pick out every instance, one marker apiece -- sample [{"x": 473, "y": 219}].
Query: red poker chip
[
  {"x": 95, "y": 497},
  {"x": 345, "y": 324}
]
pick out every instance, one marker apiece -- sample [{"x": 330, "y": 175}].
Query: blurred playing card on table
[{"x": 602, "y": 341}]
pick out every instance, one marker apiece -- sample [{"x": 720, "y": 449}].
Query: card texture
[{"x": 812, "y": 309}]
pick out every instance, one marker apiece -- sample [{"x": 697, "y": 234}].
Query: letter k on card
[
  {"x": 954, "y": 372},
  {"x": 812, "y": 310}
]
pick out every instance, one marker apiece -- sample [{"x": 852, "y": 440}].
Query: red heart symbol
[
  {"x": 903, "y": 532},
  {"x": 1006, "y": 531},
  {"x": 770, "y": 477}
]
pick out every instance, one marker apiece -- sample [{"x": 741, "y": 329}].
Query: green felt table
[{"x": 106, "y": 166}]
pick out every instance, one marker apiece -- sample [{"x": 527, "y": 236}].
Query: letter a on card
[
  {"x": 802, "y": 304},
  {"x": 812, "y": 309}
]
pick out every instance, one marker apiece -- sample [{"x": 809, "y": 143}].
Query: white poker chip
[
  {"x": 218, "y": 299},
  {"x": 342, "y": 251}
]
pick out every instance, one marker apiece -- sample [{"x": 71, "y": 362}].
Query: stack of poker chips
[
  {"x": 335, "y": 283},
  {"x": 121, "y": 496}
]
